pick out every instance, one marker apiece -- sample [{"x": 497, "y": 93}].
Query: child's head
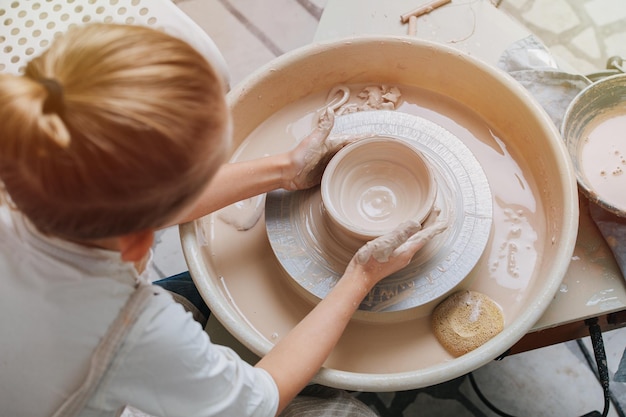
[{"x": 113, "y": 130}]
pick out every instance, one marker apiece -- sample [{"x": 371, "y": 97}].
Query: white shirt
[{"x": 57, "y": 300}]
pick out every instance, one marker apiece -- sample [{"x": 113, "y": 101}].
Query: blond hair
[{"x": 142, "y": 127}]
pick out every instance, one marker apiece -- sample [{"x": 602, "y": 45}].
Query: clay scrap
[{"x": 374, "y": 97}]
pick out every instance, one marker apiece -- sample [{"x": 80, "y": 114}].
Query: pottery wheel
[{"x": 315, "y": 256}]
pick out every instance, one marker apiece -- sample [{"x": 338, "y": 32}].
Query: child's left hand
[{"x": 310, "y": 157}]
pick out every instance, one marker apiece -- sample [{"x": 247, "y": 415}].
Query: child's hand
[
  {"x": 310, "y": 157},
  {"x": 389, "y": 253}
]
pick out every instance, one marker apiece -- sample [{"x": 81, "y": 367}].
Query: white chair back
[{"x": 28, "y": 26}]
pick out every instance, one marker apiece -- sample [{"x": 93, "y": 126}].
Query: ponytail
[
  {"x": 112, "y": 130},
  {"x": 26, "y": 125}
]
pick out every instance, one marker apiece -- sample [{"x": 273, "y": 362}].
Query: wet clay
[
  {"x": 244, "y": 214},
  {"x": 262, "y": 291},
  {"x": 603, "y": 157},
  {"x": 345, "y": 100}
]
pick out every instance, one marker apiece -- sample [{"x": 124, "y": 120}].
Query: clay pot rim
[{"x": 342, "y": 157}]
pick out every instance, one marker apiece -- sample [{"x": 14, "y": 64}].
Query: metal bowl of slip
[
  {"x": 593, "y": 129},
  {"x": 528, "y": 171}
]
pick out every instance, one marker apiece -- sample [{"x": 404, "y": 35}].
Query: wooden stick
[
  {"x": 426, "y": 8},
  {"x": 412, "y": 25}
]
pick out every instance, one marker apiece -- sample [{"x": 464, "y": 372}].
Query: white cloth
[
  {"x": 57, "y": 300},
  {"x": 532, "y": 65}
]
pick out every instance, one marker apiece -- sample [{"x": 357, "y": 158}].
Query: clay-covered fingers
[
  {"x": 310, "y": 157},
  {"x": 391, "y": 252},
  {"x": 383, "y": 247},
  {"x": 418, "y": 240},
  {"x": 326, "y": 121},
  {"x": 337, "y": 141}
]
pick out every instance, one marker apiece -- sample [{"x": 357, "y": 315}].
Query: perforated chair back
[{"x": 27, "y": 27}]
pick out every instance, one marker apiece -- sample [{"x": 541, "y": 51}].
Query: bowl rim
[{"x": 339, "y": 158}]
